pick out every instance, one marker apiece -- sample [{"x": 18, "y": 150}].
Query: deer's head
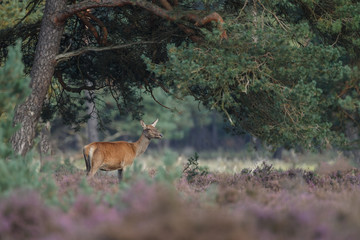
[{"x": 150, "y": 131}]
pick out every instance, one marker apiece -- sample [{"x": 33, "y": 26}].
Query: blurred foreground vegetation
[{"x": 191, "y": 202}]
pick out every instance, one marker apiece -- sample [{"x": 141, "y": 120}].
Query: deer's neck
[{"x": 141, "y": 144}]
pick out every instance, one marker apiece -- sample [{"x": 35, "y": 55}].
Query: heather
[{"x": 189, "y": 202}]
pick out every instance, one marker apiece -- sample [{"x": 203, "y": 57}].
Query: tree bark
[
  {"x": 27, "y": 114},
  {"x": 44, "y": 144}
]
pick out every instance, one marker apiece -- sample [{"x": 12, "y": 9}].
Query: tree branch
[
  {"x": 84, "y": 18},
  {"x": 84, "y": 5},
  {"x": 103, "y": 40},
  {"x": 73, "y": 89},
  {"x": 213, "y": 17},
  {"x": 156, "y": 10},
  {"x": 148, "y": 88},
  {"x": 209, "y": 18},
  {"x": 164, "y": 88},
  {"x": 63, "y": 56},
  {"x": 166, "y": 4}
]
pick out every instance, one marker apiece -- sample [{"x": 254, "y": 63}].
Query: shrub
[
  {"x": 23, "y": 215},
  {"x": 16, "y": 171},
  {"x": 192, "y": 168}
]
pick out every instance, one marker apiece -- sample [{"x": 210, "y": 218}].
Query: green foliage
[
  {"x": 12, "y": 11},
  {"x": 192, "y": 168},
  {"x": 131, "y": 173},
  {"x": 262, "y": 171},
  {"x": 276, "y": 82},
  {"x": 14, "y": 88},
  {"x": 168, "y": 173},
  {"x": 17, "y": 171},
  {"x": 67, "y": 166},
  {"x": 287, "y": 73},
  {"x": 202, "y": 4}
]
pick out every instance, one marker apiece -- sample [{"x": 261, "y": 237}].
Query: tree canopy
[
  {"x": 279, "y": 81},
  {"x": 285, "y": 71}
]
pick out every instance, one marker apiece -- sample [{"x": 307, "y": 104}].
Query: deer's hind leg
[
  {"x": 120, "y": 174},
  {"x": 96, "y": 162},
  {"x": 87, "y": 161}
]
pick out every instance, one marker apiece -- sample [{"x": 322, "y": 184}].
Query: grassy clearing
[{"x": 232, "y": 162}]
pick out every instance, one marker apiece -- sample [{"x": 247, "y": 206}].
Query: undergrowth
[
  {"x": 259, "y": 203},
  {"x": 16, "y": 171},
  {"x": 192, "y": 168}
]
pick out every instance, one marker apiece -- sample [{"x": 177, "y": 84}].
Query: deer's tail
[{"x": 87, "y": 159}]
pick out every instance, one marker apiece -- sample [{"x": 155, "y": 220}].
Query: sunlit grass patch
[{"x": 230, "y": 162}]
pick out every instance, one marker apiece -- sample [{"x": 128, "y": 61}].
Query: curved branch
[
  {"x": 166, "y": 4},
  {"x": 72, "y": 9},
  {"x": 84, "y": 18},
  {"x": 213, "y": 17},
  {"x": 103, "y": 40},
  {"x": 209, "y": 18},
  {"x": 73, "y": 89},
  {"x": 165, "y": 89},
  {"x": 153, "y": 97},
  {"x": 156, "y": 10},
  {"x": 63, "y": 56},
  {"x": 115, "y": 98},
  {"x": 148, "y": 88}
]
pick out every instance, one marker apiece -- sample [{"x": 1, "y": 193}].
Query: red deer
[{"x": 108, "y": 156}]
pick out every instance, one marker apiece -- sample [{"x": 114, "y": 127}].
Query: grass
[{"x": 232, "y": 162}]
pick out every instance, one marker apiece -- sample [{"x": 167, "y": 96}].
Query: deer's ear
[
  {"x": 154, "y": 123},
  {"x": 142, "y": 124}
]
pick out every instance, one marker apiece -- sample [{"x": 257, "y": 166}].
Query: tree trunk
[
  {"x": 27, "y": 114},
  {"x": 214, "y": 132},
  {"x": 44, "y": 143},
  {"x": 352, "y": 133},
  {"x": 278, "y": 153}
]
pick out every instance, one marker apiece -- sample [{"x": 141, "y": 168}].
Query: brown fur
[{"x": 108, "y": 156}]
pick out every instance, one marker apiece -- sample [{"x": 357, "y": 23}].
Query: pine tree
[{"x": 14, "y": 88}]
